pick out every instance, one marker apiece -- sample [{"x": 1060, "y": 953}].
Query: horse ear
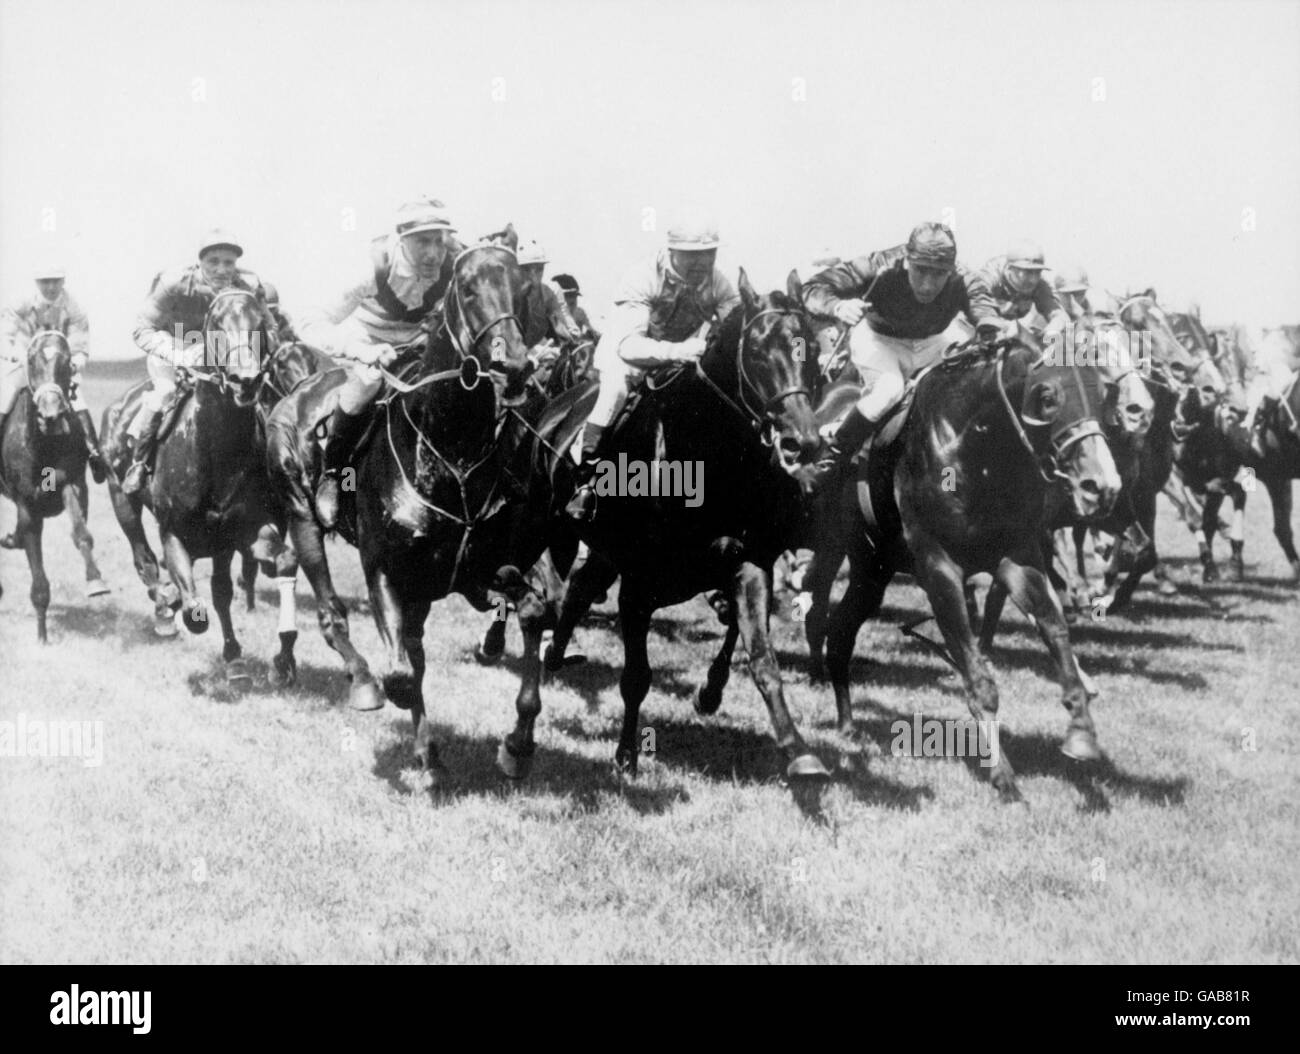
[
  {"x": 747, "y": 295},
  {"x": 1150, "y": 292},
  {"x": 794, "y": 287},
  {"x": 510, "y": 237}
]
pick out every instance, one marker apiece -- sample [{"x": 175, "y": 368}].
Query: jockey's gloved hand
[
  {"x": 850, "y": 312},
  {"x": 991, "y": 329},
  {"x": 689, "y": 350},
  {"x": 372, "y": 354}
]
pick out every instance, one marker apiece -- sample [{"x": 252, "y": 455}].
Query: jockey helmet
[
  {"x": 427, "y": 214},
  {"x": 217, "y": 238}
]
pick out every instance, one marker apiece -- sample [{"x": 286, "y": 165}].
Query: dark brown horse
[
  {"x": 963, "y": 490},
  {"x": 435, "y": 508},
  {"x": 43, "y": 465},
  {"x": 209, "y": 491},
  {"x": 742, "y": 420}
]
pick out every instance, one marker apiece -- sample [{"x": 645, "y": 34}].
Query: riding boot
[
  {"x": 582, "y": 506},
  {"x": 847, "y": 441},
  {"x": 142, "y": 461},
  {"x": 95, "y": 457},
  {"x": 341, "y": 435}
]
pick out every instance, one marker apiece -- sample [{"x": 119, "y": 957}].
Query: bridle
[
  {"x": 762, "y": 421},
  {"x": 50, "y": 387},
  {"x": 453, "y": 296},
  {"x": 218, "y": 375}
]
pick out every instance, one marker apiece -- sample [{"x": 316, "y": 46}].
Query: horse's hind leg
[
  {"x": 223, "y": 595},
  {"x": 1028, "y": 585},
  {"x": 332, "y": 614},
  {"x": 818, "y": 581},
  {"x": 634, "y": 612},
  {"x": 943, "y": 582},
  {"x": 29, "y": 530},
  {"x": 414, "y": 612},
  {"x": 709, "y": 698},
  {"x": 75, "y": 503},
  {"x": 586, "y": 581},
  {"x": 861, "y": 600}
]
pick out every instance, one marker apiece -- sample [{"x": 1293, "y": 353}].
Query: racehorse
[
  {"x": 209, "y": 491},
  {"x": 435, "y": 509},
  {"x": 962, "y": 489},
  {"x": 1280, "y": 438},
  {"x": 742, "y": 419},
  {"x": 43, "y": 465}
]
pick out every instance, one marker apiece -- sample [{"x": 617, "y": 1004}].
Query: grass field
[{"x": 254, "y": 825}]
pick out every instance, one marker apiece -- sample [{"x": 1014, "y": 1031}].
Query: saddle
[{"x": 876, "y": 461}]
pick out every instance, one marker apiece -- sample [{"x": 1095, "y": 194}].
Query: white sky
[{"x": 140, "y": 124}]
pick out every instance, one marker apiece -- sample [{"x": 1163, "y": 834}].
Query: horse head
[
  {"x": 239, "y": 336},
  {"x": 49, "y": 375},
  {"x": 1168, "y": 354},
  {"x": 1129, "y": 406},
  {"x": 481, "y": 316},
  {"x": 766, "y": 355},
  {"x": 1061, "y": 407}
]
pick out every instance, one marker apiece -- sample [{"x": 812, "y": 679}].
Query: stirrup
[{"x": 582, "y": 506}]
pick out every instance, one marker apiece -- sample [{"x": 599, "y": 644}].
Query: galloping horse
[
  {"x": 434, "y": 510},
  {"x": 991, "y": 431},
  {"x": 43, "y": 465},
  {"x": 209, "y": 491},
  {"x": 742, "y": 419},
  {"x": 1280, "y": 463}
]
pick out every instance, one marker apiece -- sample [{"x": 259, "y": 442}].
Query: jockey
[
  {"x": 51, "y": 308},
  {"x": 899, "y": 303},
  {"x": 1016, "y": 284},
  {"x": 554, "y": 321},
  {"x": 1276, "y": 366},
  {"x": 661, "y": 312},
  {"x": 568, "y": 285},
  {"x": 170, "y": 325},
  {"x": 408, "y": 273},
  {"x": 1071, "y": 287}
]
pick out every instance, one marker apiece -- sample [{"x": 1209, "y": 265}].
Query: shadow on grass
[
  {"x": 320, "y": 688},
  {"x": 470, "y": 760}
]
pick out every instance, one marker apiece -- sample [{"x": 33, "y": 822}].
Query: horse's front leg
[
  {"x": 179, "y": 565},
  {"x": 284, "y": 667},
  {"x": 308, "y": 543},
  {"x": 1237, "y": 534},
  {"x": 223, "y": 595},
  {"x": 75, "y": 502},
  {"x": 515, "y": 757},
  {"x": 587, "y": 580},
  {"x": 634, "y": 612},
  {"x": 163, "y": 594},
  {"x": 1279, "y": 493},
  {"x": 943, "y": 582},
  {"x": 751, "y": 601},
  {"x": 1029, "y": 586},
  {"x": 29, "y": 529},
  {"x": 1209, "y": 527},
  {"x": 400, "y": 620}
]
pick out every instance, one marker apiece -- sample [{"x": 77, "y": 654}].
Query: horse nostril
[{"x": 1091, "y": 487}]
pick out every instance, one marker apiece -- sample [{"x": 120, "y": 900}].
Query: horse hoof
[
  {"x": 492, "y": 647},
  {"x": 1009, "y": 794},
  {"x": 1236, "y": 572},
  {"x": 97, "y": 588},
  {"x": 1081, "y": 746},
  {"x": 513, "y": 766},
  {"x": 626, "y": 765},
  {"x": 806, "y": 767},
  {"x": 231, "y": 651},
  {"x": 237, "y": 673},
  {"x": 366, "y": 696},
  {"x": 164, "y": 625},
  {"x": 1166, "y": 588},
  {"x": 554, "y": 662},
  {"x": 1295, "y": 571},
  {"x": 283, "y": 672},
  {"x": 196, "y": 619},
  {"x": 708, "y": 701},
  {"x": 1209, "y": 574}
]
